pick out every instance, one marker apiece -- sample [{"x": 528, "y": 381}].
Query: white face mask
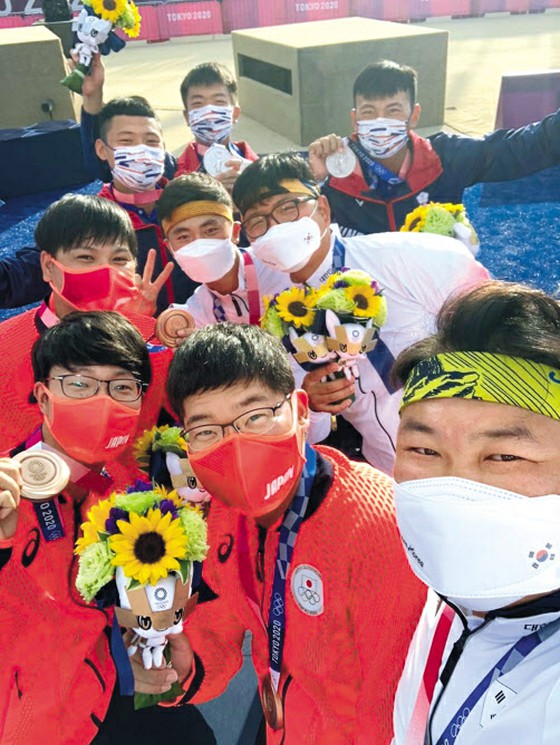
[
  {"x": 211, "y": 124},
  {"x": 206, "y": 259},
  {"x": 138, "y": 167},
  {"x": 289, "y": 245},
  {"x": 382, "y": 137},
  {"x": 479, "y": 546}
]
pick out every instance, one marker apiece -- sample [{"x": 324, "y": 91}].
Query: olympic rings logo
[
  {"x": 308, "y": 595},
  {"x": 277, "y": 604},
  {"x": 456, "y": 726}
]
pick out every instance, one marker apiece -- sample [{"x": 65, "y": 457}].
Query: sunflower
[
  {"x": 96, "y": 519},
  {"x": 415, "y": 220},
  {"x": 130, "y": 22},
  {"x": 149, "y": 547},
  {"x": 143, "y": 447},
  {"x": 296, "y": 307},
  {"x": 109, "y": 10},
  {"x": 89, "y": 536},
  {"x": 366, "y": 303},
  {"x": 170, "y": 494}
]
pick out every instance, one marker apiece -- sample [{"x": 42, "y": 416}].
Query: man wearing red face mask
[
  {"x": 304, "y": 552},
  {"x": 88, "y": 254},
  {"x": 91, "y": 374}
]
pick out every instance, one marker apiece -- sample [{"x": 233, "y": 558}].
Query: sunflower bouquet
[
  {"x": 94, "y": 29},
  {"x": 443, "y": 219},
  {"x": 337, "y": 321},
  {"x": 142, "y": 543},
  {"x": 163, "y": 454}
]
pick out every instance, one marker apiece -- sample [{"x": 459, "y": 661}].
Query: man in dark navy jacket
[{"x": 396, "y": 169}]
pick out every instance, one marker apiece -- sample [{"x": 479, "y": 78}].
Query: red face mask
[
  {"x": 104, "y": 288},
  {"x": 91, "y": 430},
  {"x": 252, "y": 473}
]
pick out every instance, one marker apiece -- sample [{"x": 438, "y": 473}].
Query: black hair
[
  {"x": 92, "y": 338},
  {"x": 224, "y": 354},
  {"x": 261, "y": 179},
  {"x": 498, "y": 317},
  {"x": 193, "y": 187},
  {"x": 385, "y": 78},
  {"x": 79, "y": 218},
  {"x": 209, "y": 73},
  {"x": 129, "y": 106}
]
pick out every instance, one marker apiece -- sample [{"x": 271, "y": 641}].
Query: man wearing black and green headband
[{"x": 478, "y": 507}]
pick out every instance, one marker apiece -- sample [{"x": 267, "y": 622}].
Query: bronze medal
[
  {"x": 44, "y": 474},
  {"x": 171, "y": 321},
  {"x": 272, "y": 705}
]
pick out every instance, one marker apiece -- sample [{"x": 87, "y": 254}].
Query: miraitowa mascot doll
[
  {"x": 93, "y": 28},
  {"x": 162, "y": 453},
  {"x": 137, "y": 552},
  {"x": 338, "y": 321}
]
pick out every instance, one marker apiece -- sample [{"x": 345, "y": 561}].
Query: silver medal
[
  {"x": 215, "y": 159},
  {"x": 341, "y": 164}
]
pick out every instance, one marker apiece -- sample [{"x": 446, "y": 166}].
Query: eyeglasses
[
  {"x": 253, "y": 422},
  {"x": 257, "y": 225},
  {"x": 125, "y": 390}
]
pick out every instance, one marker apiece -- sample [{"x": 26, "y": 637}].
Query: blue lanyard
[
  {"x": 379, "y": 175},
  {"x": 339, "y": 255},
  {"x": 380, "y": 357},
  {"x": 288, "y": 533},
  {"x": 509, "y": 661},
  {"x": 252, "y": 290}
]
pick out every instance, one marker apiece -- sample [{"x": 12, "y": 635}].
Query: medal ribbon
[
  {"x": 47, "y": 512},
  {"x": 508, "y": 662},
  {"x": 253, "y": 297},
  {"x": 377, "y": 171},
  {"x": 288, "y": 533},
  {"x": 380, "y": 357}
]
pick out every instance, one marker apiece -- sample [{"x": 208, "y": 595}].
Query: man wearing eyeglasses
[
  {"x": 304, "y": 553},
  {"x": 63, "y": 663},
  {"x": 287, "y": 222}
]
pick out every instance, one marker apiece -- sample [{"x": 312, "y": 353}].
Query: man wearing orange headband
[{"x": 196, "y": 215}]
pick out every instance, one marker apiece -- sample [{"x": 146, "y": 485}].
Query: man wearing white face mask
[
  {"x": 478, "y": 507},
  {"x": 288, "y": 224},
  {"x": 131, "y": 142},
  {"x": 209, "y": 95},
  {"x": 196, "y": 214},
  {"x": 385, "y": 170}
]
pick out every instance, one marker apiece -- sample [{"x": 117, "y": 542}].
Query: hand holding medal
[{"x": 173, "y": 326}]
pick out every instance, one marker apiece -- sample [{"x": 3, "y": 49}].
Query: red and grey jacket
[
  {"x": 443, "y": 166},
  {"x": 190, "y": 160}
]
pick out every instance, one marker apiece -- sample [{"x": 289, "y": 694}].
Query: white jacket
[
  {"x": 522, "y": 707},
  {"x": 417, "y": 272}
]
